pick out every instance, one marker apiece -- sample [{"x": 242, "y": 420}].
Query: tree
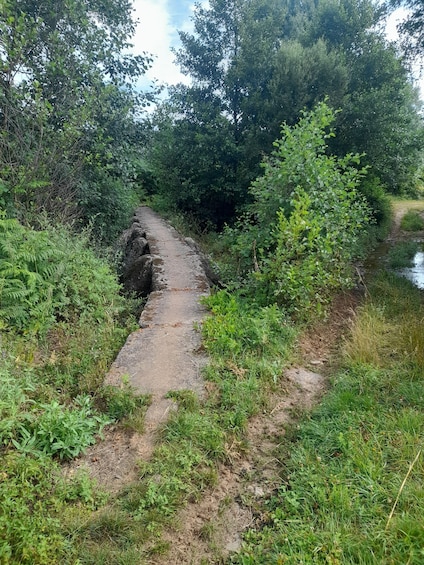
[
  {"x": 412, "y": 28},
  {"x": 258, "y": 63},
  {"x": 64, "y": 84},
  {"x": 307, "y": 217}
]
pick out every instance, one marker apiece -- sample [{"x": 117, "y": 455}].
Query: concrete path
[{"x": 163, "y": 355}]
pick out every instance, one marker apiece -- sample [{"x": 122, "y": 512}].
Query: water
[
  {"x": 415, "y": 273},
  {"x": 377, "y": 260}
]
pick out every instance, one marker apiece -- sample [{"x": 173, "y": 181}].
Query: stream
[{"x": 415, "y": 273}]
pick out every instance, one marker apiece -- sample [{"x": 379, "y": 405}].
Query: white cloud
[{"x": 156, "y": 35}]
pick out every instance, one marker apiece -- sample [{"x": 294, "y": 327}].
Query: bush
[
  {"x": 309, "y": 217},
  {"x": 412, "y": 221},
  {"x": 50, "y": 275},
  {"x": 401, "y": 254},
  {"x": 57, "y": 430}
]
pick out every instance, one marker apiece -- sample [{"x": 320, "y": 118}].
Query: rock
[
  {"x": 211, "y": 275},
  {"x": 138, "y": 277}
]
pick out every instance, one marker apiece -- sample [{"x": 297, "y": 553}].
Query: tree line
[{"x": 77, "y": 145}]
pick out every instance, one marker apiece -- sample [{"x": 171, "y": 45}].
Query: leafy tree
[
  {"x": 413, "y": 26},
  {"x": 65, "y": 84},
  {"x": 307, "y": 218},
  {"x": 258, "y": 63},
  {"x": 195, "y": 157},
  {"x": 381, "y": 116}
]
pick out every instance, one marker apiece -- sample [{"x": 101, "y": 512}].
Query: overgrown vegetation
[
  {"x": 401, "y": 254},
  {"x": 255, "y": 64},
  {"x": 297, "y": 242},
  {"x": 62, "y": 321},
  {"x": 76, "y": 150},
  {"x": 351, "y": 472},
  {"x": 412, "y": 221}
]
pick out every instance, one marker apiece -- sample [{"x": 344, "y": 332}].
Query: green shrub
[
  {"x": 29, "y": 511},
  {"x": 57, "y": 430},
  {"x": 50, "y": 275},
  {"x": 401, "y": 254},
  {"x": 309, "y": 217}
]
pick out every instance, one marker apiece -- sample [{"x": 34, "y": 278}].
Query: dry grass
[{"x": 370, "y": 337}]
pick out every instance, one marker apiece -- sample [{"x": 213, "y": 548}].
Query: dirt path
[
  {"x": 161, "y": 356},
  {"x": 400, "y": 207},
  {"x": 207, "y": 531}
]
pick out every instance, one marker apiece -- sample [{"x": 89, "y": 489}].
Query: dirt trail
[
  {"x": 207, "y": 531},
  {"x": 161, "y": 356}
]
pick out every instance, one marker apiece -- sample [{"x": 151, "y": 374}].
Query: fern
[{"x": 51, "y": 273}]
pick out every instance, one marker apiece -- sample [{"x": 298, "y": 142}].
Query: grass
[
  {"x": 351, "y": 472},
  {"x": 400, "y": 256},
  {"x": 351, "y": 489},
  {"x": 52, "y": 401},
  {"x": 412, "y": 221},
  {"x": 248, "y": 348}
]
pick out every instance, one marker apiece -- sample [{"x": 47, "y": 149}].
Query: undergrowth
[
  {"x": 62, "y": 321},
  {"x": 401, "y": 254},
  {"x": 351, "y": 488},
  {"x": 412, "y": 221}
]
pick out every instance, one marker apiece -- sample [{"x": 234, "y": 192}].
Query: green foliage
[
  {"x": 48, "y": 428},
  {"x": 238, "y": 327},
  {"x": 29, "y": 520},
  {"x": 412, "y": 221},
  {"x": 121, "y": 402},
  {"x": 72, "y": 118},
  {"x": 309, "y": 216},
  {"x": 258, "y": 63},
  {"x": 351, "y": 472},
  {"x": 49, "y": 275},
  {"x": 412, "y": 27},
  {"x": 249, "y": 346},
  {"x": 34, "y": 503},
  {"x": 57, "y": 430},
  {"x": 53, "y": 356},
  {"x": 401, "y": 254},
  {"x": 379, "y": 204}
]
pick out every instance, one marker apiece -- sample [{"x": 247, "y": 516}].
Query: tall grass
[{"x": 62, "y": 319}]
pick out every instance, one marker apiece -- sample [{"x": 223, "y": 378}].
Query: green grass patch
[
  {"x": 412, "y": 221},
  {"x": 400, "y": 256},
  {"x": 351, "y": 489}
]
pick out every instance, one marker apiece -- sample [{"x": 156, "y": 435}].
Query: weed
[{"x": 123, "y": 402}]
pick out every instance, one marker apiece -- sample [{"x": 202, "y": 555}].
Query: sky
[{"x": 157, "y": 33}]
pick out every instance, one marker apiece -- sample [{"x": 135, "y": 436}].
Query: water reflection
[{"x": 415, "y": 273}]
